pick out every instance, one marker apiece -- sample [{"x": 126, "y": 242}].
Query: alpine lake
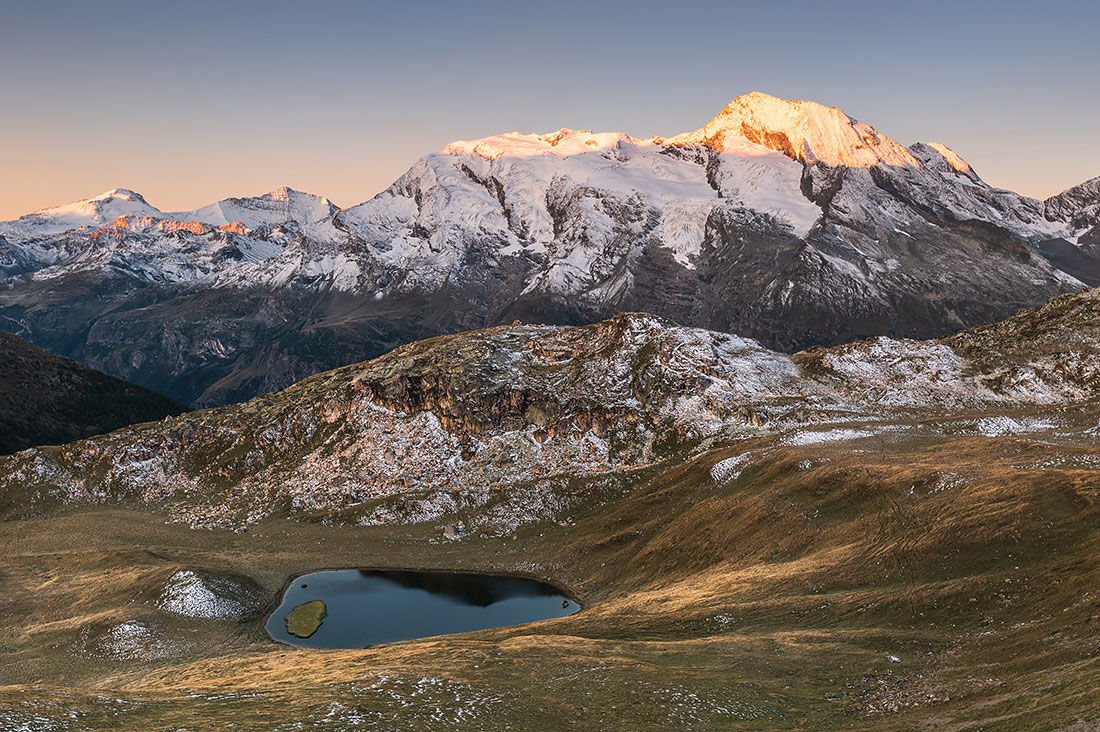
[{"x": 356, "y": 608}]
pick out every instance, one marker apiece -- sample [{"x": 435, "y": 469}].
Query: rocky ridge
[{"x": 450, "y": 421}]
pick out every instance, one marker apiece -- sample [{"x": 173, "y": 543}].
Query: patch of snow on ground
[
  {"x": 134, "y": 641},
  {"x": 1000, "y": 426},
  {"x": 195, "y": 596},
  {"x": 811, "y": 437},
  {"x": 729, "y": 469}
]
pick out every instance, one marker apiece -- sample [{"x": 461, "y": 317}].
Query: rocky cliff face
[
  {"x": 1079, "y": 206},
  {"x": 788, "y": 222}
]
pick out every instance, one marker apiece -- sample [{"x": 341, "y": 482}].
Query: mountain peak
[
  {"x": 97, "y": 203},
  {"x": 939, "y": 157},
  {"x": 124, "y": 194},
  {"x": 280, "y": 206},
  {"x": 802, "y": 130},
  {"x": 951, "y": 156},
  {"x": 94, "y": 211},
  {"x": 1080, "y": 207}
]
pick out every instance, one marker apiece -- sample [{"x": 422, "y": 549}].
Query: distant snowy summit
[
  {"x": 118, "y": 230},
  {"x": 279, "y": 207},
  {"x": 787, "y": 221}
]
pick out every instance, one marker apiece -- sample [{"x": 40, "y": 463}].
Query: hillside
[
  {"x": 470, "y": 413},
  {"x": 49, "y": 400},
  {"x": 886, "y": 535}
]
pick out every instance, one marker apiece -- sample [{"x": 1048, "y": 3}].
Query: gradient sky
[{"x": 190, "y": 102}]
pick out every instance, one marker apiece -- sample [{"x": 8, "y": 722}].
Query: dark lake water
[{"x": 368, "y": 607}]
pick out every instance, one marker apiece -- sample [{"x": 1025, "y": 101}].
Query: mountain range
[{"x": 785, "y": 221}]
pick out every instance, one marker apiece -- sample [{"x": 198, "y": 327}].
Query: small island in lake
[{"x": 304, "y": 620}]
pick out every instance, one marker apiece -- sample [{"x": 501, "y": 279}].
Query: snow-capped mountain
[
  {"x": 786, "y": 221},
  {"x": 118, "y": 229},
  {"x": 90, "y": 212},
  {"x": 1080, "y": 207}
]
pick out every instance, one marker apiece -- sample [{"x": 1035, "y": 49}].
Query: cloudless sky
[{"x": 190, "y": 102}]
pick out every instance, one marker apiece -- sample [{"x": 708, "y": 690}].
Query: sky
[{"x": 191, "y": 102}]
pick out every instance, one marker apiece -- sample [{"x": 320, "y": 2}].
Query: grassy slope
[
  {"x": 773, "y": 601},
  {"x": 50, "y": 400}
]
